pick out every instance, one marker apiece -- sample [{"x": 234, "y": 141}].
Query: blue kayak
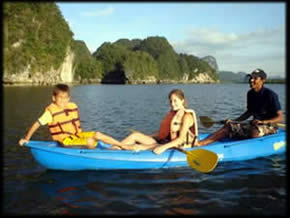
[{"x": 51, "y": 155}]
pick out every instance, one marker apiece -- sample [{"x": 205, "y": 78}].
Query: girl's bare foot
[
  {"x": 197, "y": 144},
  {"x": 115, "y": 147}
]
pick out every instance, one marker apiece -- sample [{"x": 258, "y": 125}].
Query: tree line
[{"x": 37, "y": 35}]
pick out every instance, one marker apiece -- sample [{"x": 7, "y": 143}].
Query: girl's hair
[
  {"x": 179, "y": 94},
  {"x": 61, "y": 88}
]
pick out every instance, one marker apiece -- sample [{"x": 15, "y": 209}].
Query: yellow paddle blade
[
  {"x": 202, "y": 160},
  {"x": 206, "y": 121}
]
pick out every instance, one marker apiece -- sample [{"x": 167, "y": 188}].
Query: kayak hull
[{"x": 52, "y": 156}]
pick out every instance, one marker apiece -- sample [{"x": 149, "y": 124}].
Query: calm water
[{"x": 249, "y": 187}]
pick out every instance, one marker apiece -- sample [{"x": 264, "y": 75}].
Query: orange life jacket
[
  {"x": 171, "y": 124},
  {"x": 164, "y": 129},
  {"x": 65, "y": 122}
]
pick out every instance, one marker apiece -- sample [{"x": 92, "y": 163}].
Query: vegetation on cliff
[
  {"x": 35, "y": 35},
  {"x": 85, "y": 65},
  {"x": 152, "y": 57},
  {"x": 37, "y": 40}
]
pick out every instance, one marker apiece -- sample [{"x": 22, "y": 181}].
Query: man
[{"x": 262, "y": 103}]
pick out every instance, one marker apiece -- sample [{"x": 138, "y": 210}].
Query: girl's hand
[
  {"x": 159, "y": 149},
  {"x": 227, "y": 121}
]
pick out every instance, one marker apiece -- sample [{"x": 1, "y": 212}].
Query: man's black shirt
[{"x": 263, "y": 104}]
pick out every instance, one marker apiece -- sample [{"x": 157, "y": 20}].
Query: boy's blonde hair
[{"x": 61, "y": 88}]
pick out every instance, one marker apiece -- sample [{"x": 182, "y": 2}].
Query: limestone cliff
[
  {"x": 200, "y": 78},
  {"x": 37, "y": 44},
  {"x": 39, "y": 49},
  {"x": 211, "y": 61},
  {"x": 65, "y": 74}
]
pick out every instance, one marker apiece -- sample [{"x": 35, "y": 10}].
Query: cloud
[
  {"x": 104, "y": 12},
  {"x": 238, "y": 52}
]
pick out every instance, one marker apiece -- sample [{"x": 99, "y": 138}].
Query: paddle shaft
[{"x": 183, "y": 151}]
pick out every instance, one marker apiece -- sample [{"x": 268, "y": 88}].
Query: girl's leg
[
  {"x": 138, "y": 141},
  {"x": 138, "y": 137}
]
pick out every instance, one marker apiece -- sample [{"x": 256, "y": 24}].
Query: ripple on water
[{"x": 248, "y": 187}]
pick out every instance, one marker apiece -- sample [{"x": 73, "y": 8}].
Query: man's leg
[{"x": 220, "y": 134}]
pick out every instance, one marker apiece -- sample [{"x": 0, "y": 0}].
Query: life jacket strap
[
  {"x": 66, "y": 111},
  {"x": 65, "y": 122}
]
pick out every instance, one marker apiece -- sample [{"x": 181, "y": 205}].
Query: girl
[{"x": 178, "y": 129}]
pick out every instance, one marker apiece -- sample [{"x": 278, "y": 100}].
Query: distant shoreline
[
  {"x": 98, "y": 83},
  {"x": 267, "y": 82}
]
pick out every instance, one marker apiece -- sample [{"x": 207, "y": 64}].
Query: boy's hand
[{"x": 22, "y": 141}]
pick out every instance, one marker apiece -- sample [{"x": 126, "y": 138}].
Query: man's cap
[{"x": 258, "y": 73}]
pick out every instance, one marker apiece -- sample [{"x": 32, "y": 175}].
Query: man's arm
[
  {"x": 244, "y": 116},
  {"x": 277, "y": 119}
]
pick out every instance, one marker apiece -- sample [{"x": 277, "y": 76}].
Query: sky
[{"x": 241, "y": 36}]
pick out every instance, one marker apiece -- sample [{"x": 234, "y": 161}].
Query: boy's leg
[
  {"x": 107, "y": 139},
  {"x": 81, "y": 139},
  {"x": 87, "y": 139},
  {"x": 91, "y": 143}
]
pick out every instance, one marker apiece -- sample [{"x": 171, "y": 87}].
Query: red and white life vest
[{"x": 171, "y": 125}]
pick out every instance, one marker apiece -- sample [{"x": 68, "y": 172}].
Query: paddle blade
[
  {"x": 206, "y": 121},
  {"x": 202, "y": 160}
]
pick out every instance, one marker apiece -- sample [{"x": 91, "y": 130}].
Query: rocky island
[{"x": 39, "y": 49}]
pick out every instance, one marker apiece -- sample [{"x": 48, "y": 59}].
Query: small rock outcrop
[
  {"x": 64, "y": 74},
  {"x": 211, "y": 61}
]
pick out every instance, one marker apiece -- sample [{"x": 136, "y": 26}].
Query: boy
[{"x": 62, "y": 117}]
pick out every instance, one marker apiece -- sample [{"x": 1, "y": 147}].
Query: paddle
[
  {"x": 201, "y": 160},
  {"x": 208, "y": 122}
]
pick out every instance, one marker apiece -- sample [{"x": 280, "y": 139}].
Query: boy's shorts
[
  {"x": 78, "y": 139},
  {"x": 244, "y": 130}
]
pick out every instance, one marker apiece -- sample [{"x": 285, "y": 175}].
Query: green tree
[
  {"x": 193, "y": 66},
  {"x": 111, "y": 56},
  {"x": 85, "y": 65},
  {"x": 164, "y": 54},
  {"x": 35, "y": 34},
  {"x": 129, "y": 44},
  {"x": 140, "y": 65}
]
